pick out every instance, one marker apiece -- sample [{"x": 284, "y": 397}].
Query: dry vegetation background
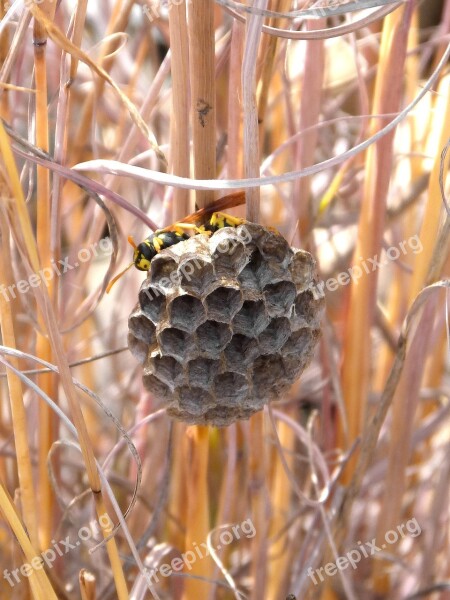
[{"x": 344, "y": 118}]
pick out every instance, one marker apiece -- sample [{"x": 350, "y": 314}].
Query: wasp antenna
[
  {"x": 114, "y": 279},
  {"x": 131, "y": 242}
]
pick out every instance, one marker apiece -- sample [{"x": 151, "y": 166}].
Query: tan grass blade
[
  {"x": 203, "y": 93},
  {"x": 47, "y": 382},
  {"x": 61, "y": 360},
  {"x": 179, "y": 123},
  {"x": 40, "y": 585},
  {"x": 355, "y": 381},
  {"x": 197, "y": 523},
  {"x": 58, "y": 37},
  {"x": 18, "y": 413}
]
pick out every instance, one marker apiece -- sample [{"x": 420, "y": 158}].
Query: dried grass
[{"x": 335, "y": 127}]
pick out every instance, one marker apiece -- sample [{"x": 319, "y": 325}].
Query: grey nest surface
[{"x": 225, "y": 324}]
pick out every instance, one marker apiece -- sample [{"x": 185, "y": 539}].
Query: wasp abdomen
[{"x": 152, "y": 245}]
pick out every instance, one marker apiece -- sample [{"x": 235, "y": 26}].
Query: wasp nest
[{"x": 225, "y": 324}]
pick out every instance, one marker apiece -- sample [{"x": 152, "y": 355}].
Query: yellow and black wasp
[{"x": 173, "y": 234}]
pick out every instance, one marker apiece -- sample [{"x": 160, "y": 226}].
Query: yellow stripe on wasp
[{"x": 173, "y": 234}]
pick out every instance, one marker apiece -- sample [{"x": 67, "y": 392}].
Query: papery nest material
[{"x": 225, "y": 324}]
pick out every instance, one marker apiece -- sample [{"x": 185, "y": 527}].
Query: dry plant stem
[
  {"x": 203, "y": 110},
  {"x": 50, "y": 325},
  {"x": 4, "y": 48},
  {"x": 432, "y": 217},
  {"x": 47, "y": 423},
  {"x": 398, "y": 298},
  {"x": 269, "y": 45},
  {"x": 378, "y": 167},
  {"x": 250, "y": 111},
  {"x": 438, "y": 506},
  {"x": 87, "y": 585},
  {"x": 63, "y": 127},
  {"x": 258, "y": 503},
  {"x": 178, "y": 480},
  {"x": 407, "y": 396},
  {"x": 373, "y": 426},
  {"x": 77, "y": 35},
  {"x": 119, "y": 19},
  {"x": 113, "y": 552},
  {"x": 405, "y": 404},
  {"x": 203, "y": 93},
  {"x": 197, "y": 525},
  {"x": 226, "y": 512},
  {"x": 67, "y": 45},
  {"x": 440, "y": 32},
  {"x": 319, "y": 34},
  {"x": 16, "y": 43},
  {"x": 18, "y": 414},
  {"x": 281, "y": 501},
  {"x": 40, "y": 585},
  {"x": 179, "y": 123},
  {"x": 234, "y": 154},
  {"x": 4, "y": 114},
  {"x": 310, "y": 109}
]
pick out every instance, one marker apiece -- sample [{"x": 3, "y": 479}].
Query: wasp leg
[
  {"x": 158, "y": 244},
  {"x": 181, "y": 227},
  {"x": 221, "y": 219}
]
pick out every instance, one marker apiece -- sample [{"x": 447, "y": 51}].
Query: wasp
[{"x": 173, "y": 234}]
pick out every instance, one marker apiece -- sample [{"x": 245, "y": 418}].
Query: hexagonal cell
[
  {"x": 295, "y": 364},
  {"x": 196, "y": 275},
  {"x": 260, "y": 272},
  {"x": 141, "y": 327},
  {"x": 195, "y": 401},
  {"x": 201, "y": 372},
  {"x": 163, "y": 271},
  {"x": 248, "y": 277},
  {"x": 197, "y": 245},
  {"x": 301, "y": 342},
  {"x": 268, "y": 371},
  {"x": 240, "y": 352},
  {"x": 274, "y": 248},
  {"x": 186, "y": 312},
  {"x": 228, "y": 252},
  {"x": 166, "y": 369},
  {"x": 279, "y": 298},
  {"x": 303, "y": 269},
  {"x": 274, "y": 336},
  {"x": 223, "y": 303},
  {"x": 137, "y": 348},
  {"x": 270, "y": 272},
  {"x": 176, "y": 343},
  {"x": 307, "y": 311},
  {"x": 251, "y": 319},
  {"x": 250, "y": 233},
  {"x": 212, "y": 338},
  {"x": 152, "y": 301},
  {"x": 231, "y": 388},
  {"x": 156, "y": 387}
]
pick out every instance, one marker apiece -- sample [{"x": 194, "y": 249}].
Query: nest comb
[{"x": 225, "y": 324}]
